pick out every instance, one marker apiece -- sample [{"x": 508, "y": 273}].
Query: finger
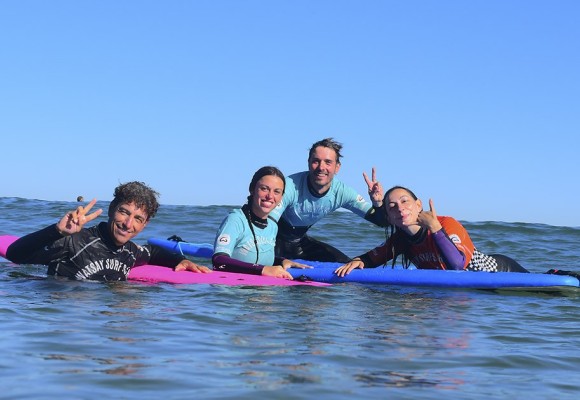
[
  {"x": 298, "y": 265},
  {"x": 374, "y": 174},
  {"x": 90, "y": 205},
  {"x": 94, "y": 215},
  {"x": 367, "y": 180},
  {"x": 432, "y": 208}
]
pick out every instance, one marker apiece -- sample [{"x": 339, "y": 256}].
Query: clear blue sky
[{"x": 472, "y": 103}]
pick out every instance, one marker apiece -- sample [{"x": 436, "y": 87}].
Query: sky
[{"x": 474, "y": 104}]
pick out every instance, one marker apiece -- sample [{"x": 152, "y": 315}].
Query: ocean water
[{"x": 86, "y": 340}]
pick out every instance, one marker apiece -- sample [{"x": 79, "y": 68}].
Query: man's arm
[
  {"x": 377, "y": 215},
  {"x": 23, "y": 250}
]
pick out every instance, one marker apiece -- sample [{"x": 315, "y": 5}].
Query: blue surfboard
[
  {"x": 201, "y": 250},
  {"x": 324, "y": 272}
]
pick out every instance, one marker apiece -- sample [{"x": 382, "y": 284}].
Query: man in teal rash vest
[{"x": 311, "y": 195}]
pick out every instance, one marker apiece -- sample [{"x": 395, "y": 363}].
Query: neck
[
  {"x": 411, "y": 229},
  {"x": 259, "y": 213},
  {"x": 254, "y": 218},
  {"x": 317, "y": 190}
]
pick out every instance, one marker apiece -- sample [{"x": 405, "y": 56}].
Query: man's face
[
  {"x": 126, "y": 222},
  {"x": 322, "y": 167}
]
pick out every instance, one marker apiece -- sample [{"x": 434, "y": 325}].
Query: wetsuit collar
[
  {"x": 313, "y": 191},
  {"x": 105, "y": 234},
  {"x": 259, "y": 222},
  {"x": 417, "y": 237}
]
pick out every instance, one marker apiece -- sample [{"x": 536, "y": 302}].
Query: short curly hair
[{"x": 139, "y": 193}]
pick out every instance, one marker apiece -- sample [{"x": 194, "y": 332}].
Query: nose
[{"x": 128, "y": 221}]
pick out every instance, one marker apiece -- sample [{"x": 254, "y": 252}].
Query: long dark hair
[
  {"x": 399, "y": 241},
  {"x": 247, "y": 208}
]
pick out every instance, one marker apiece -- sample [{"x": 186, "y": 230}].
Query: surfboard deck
[
  {"x": 324, "y": 272},
  {"x": 201, "y": 250},
  {"x": 159, "y": 274}
]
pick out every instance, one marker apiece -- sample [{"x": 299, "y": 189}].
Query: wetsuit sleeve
[
  {"x": 378, "y": 216},
  {"x": 24, "y": 250},
  {"x": 164, "y": 258},
  {"x": 223, "y": 262},
  {"x": 458, "y": 235},
  {"x": 377, "y": 256},
  {"x": 453, "y": 258}
]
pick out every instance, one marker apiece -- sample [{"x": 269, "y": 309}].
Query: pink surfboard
[{"x": 157, "y": 274}]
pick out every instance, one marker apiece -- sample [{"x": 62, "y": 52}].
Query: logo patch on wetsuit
[
  {"x": 224, "y": 239},
  {"x": 454, "y": 238},
  {"x": 360, "y": 199}
]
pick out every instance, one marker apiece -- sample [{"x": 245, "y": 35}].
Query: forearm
[
  {"x": 164, "y": 258},
  {"x": 223, "y": 262},
  {"x": 453, "y": 258},
  {"x": 367, "y": 261},
  {"x": 377, "y": 216},
  {"x": 23, "y": 249}
]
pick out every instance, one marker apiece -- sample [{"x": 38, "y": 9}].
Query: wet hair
[
  {"x": 391, "y": 229},
  {"x": 329, "y": 143},
  {"x": 388, "y": 192},
  {"x": 262, "y": 172},
  {"x": 138, "y": 193}
]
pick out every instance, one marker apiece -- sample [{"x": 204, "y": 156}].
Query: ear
[
  {"x": 419, "y": 204},
  {"x": 337, "y": 167}
]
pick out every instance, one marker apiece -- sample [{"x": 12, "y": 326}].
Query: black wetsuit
[{"x": 89, "y": 254}]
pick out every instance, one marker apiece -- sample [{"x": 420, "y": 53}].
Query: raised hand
[
  {"x": 429, "y": 219},
  {"x": 73, "y": 221},
  {"x": 375, "y": 188}
]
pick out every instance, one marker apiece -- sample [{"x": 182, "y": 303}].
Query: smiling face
[
  {"x": 402, "y": 208},
  {"x": 267, "y": 194},
  {"x": 322, "y": 166},
  {"x": 126, "y": 221}
]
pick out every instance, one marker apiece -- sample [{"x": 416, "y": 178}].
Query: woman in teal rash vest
[{"x": 246, "y": 238}]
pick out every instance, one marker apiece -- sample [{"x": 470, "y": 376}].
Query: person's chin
[{"x": 122, "y": 238}]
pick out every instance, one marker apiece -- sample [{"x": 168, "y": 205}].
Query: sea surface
[{"x": 127, "y": 340}]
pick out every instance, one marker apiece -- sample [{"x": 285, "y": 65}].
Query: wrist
[
  {"x": 58, "y": 230},
  {"x": 435, "y": 231}
]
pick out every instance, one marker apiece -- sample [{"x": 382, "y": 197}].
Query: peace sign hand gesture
[
  {"x": 375, "y": 189},
  {"x": 73, "y": 221}
]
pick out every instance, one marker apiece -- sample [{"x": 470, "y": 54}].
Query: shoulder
[
  {"x": 235, "y": 218},
  {"x": 447, "y": 220},
  {"x": 297, "y": 179},
  {"x": 450, "y": 224}
]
